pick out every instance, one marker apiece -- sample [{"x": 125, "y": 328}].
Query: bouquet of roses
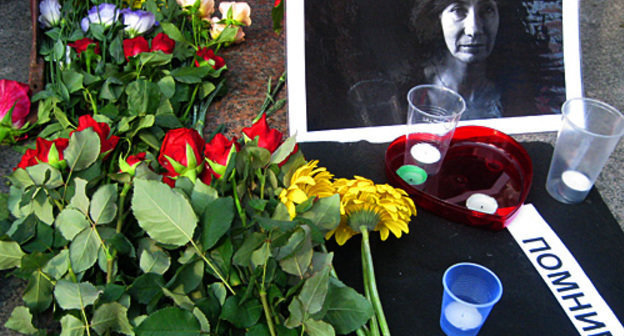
[
  {"x": 144, "y": 67},
  {"x": 218, "y": 237}
]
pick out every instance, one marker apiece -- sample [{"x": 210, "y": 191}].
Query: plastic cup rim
[
  {"x": 476, "y": 305},
  {"x": 596, "y": 102},
  {"x": 449, "y": 117}
]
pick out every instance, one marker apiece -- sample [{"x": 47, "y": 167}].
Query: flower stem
[
  {"x": 267, "y": 312},
  {"x": 214, "y": 269},
  {"x": 372, "y": 283}
]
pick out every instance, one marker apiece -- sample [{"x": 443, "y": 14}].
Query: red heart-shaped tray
[{"x": 480, "y": 160}]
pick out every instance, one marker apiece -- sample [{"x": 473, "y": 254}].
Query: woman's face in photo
[{"x": 470, "y": 28}]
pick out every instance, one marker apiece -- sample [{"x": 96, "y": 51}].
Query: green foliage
[{"x": 112, "y": 252}]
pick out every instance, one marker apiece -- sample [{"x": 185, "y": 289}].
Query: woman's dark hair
[{"x": 513, "y": 64}]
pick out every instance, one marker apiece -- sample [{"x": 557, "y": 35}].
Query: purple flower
[
  {"x": 138, "y": 21},
  {"x": 105, "y": 14},
  {"x": 50, "y": 13}
]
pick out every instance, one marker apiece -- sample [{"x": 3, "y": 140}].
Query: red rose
[
  {"x": 84, "y": 43},
  {"x": 107, "y": 144},
  {"x": 130, "y": 163},
  {"x": 47, "y": 151},
  {"x": 208, "y": 55},
  {"x": 28, "y": 159},
  {"x": 267, "y": 138},
  {"x": 181, "y": 152},
  {"x": 135, "y": 46},
  {"x": 218, "y": 153},
  {"x": 206, "y": 176},
  {"x": 277, "y": 3},
  {"x": 18, "y": 94},
  {"x": 163, "y": 43}
]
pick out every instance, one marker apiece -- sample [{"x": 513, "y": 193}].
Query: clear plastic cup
[
  {"x": 470, "y": 292},
  {"x": 590, "y": 130},
  {"x": 432, "y": 116}
]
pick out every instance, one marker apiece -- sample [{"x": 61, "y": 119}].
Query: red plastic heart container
[{"x": 483, "y": 181}]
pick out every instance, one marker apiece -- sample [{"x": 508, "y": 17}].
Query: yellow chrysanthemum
[
  {"x": 307, "y": 181},
  {"x": 362, "y": 202},
  {"x": 134, "y": 4}
]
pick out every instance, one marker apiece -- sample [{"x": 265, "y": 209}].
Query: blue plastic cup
[{"x": 470, "y": 292}]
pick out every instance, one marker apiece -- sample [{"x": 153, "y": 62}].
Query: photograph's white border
[{"x": 297, "y": 112}]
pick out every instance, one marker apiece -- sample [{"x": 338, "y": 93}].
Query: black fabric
[{"x": 409, "y": 270}]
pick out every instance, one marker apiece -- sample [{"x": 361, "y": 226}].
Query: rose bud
[
  {"x": 218, "y": 153},
  {"x": 163, "y": 43},
  {"x": 181, "y": 153},
  {"x": 209, "y": 57},
  {"x": 135, "y": 46}
]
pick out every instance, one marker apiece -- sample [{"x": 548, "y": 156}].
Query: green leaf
[
  {"x": 325, "y": 213},
  {"x": 111, "y": 317},
  {"x": 146, "y": 121},
  {"x": 143, "y": 97},
  {"x": 252, "y": 241},
  {"x": 23, "y": 229},
  {"x": 216, "y": 221},
  {"x": 70, "y": 222},
  {"x": 72, "y": 80},
  {"x": 201, "y": 195},
  {"x": 43, "y": 241},
  {"x": 203, "y": 321},
  {"x": 19, "y": 178},
  {"x": 83, "y": 250},
  {"x": 61, "y": 117},
  {"x": 21, "y": 321},
  {"x": 318, "y": 328},
  {"x": 43, "y": 174},
  {"x": 72, "y": 295},
  {"x": 103, "y": 204},
  {"x": 284, "y": 150},
  {"x": 80, "y": 200},
  {"x": 241, "y": 316},
  {"x": 59, "y": 51},
  {"x": 83, "y": 149},
  {"x": 346, "y": 309},
  {"x": 297, "y": 313},
  {"x": 188, "y": 277},
  {"x": 314, "y": 291},
  {"x": 167, "y": 86},
  {"x": 58, "y": 265},
  {"x": 10, "y": 255},
  {"x": 261, "y": 255},
  {"x": 38, "y": 293},
  {"x": 179, "y": 299},
  {"x": 146, "y": 287},
  {"x": 42, "y": 208},
  {"x": 169, "y": 321},
  {"x": 154, "y": 262},
  {"x": 164, "y": 213},
  {"x": 173, "y": 32},
  {"x": 72, "y": 326},
  {"x": 298, "y": 263},
  {"x": 190, "y": 74},
  {"x": 154, "y": 58},
  {"x": 272, "y": 224}
]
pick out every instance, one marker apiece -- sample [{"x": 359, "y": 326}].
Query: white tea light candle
[
  {"x": 482, "y": 203},
  {"x": 462, "y": 316},
  {"x": 576, "y": 180},
  {"x": 425, "y": 153}
]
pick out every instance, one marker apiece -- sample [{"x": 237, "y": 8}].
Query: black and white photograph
[{"x": 505, "y": 58}]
